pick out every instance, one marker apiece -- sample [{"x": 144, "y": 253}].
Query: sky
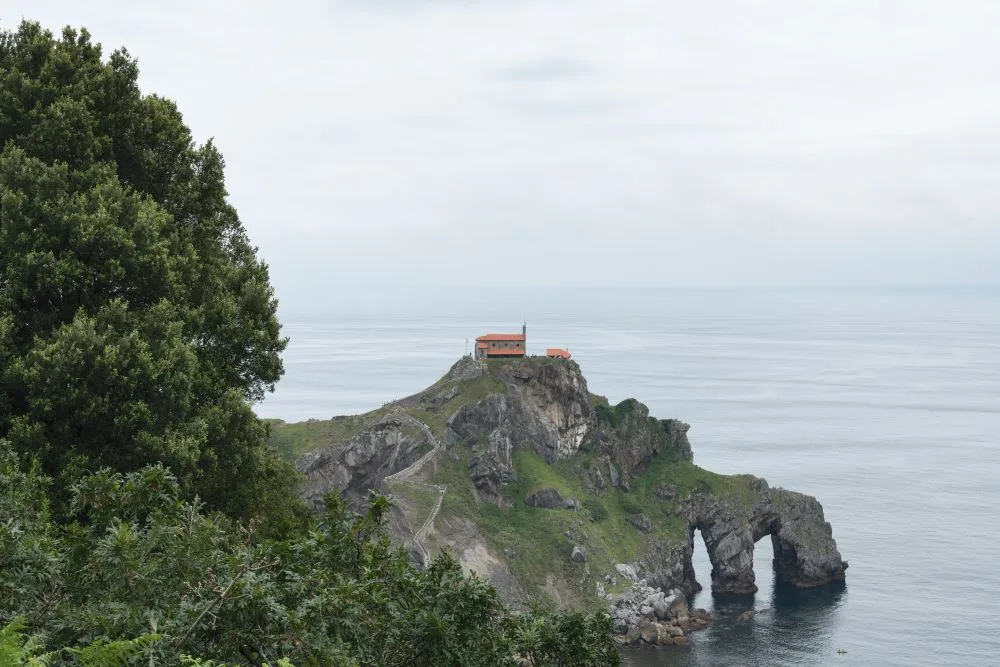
[{"x": 587, "y": 142}]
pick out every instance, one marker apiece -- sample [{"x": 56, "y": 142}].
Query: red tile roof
[
  {"x": 501, "y": 337},
  {"x": 557, "y": 352},
  {"x": 505, "y": 353}
]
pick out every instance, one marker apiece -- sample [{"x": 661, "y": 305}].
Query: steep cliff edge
[{"x": 552, "y": 493}]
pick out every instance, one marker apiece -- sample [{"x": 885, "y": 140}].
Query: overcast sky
[{"x": 588, "y": 142}]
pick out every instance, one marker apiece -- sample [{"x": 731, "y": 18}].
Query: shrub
[
  {"x": 596, "y": 509},
  {"x": 630, "y": 507}
]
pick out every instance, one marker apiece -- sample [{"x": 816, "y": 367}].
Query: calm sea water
[{"x": 885, "y": 404}]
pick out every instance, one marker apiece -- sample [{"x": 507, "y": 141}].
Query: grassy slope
[
  {"x": 537, "y": 535},
  {"x": 291, "y": 440}
]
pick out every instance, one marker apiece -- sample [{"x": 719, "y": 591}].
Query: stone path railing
[{"x": 406, "y": 473}]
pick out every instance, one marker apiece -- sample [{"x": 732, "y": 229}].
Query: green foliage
[
  {"x": 613, "y": 415},
  {"x": 147, "y": 573},
  {"x": 547, "y": 640},
  {"x": 136, "y": 322},
  {"x": 596, "y": 509},
  {"x": 630, "y": 506},
  {"x": 18, "y": 650},
  {"x": 104, "y": 653}
]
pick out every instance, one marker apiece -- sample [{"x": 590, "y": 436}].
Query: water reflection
[{"x": 786, "y": 627}]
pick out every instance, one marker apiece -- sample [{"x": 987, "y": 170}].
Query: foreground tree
[
  {"x": 152, "y": 577},
  {"x": 137, "y": 324}
]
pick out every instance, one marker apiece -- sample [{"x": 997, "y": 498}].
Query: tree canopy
[{"x": 137, "y": 324}]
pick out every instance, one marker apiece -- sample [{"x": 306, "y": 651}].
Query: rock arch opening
[{"x": 804, "y": 553}]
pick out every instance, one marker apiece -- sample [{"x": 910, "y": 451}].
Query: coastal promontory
[{"x": 555, "y": 495}]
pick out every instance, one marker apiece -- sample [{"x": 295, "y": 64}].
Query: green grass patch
[
  {"x": 602, "y": 527},
  {"x": 615, "y": 414},
  {"x": 734, "y": 490},
  {"x": 291, "y": 440}
]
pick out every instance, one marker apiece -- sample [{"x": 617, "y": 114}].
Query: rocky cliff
[{"x": 551, "y": 492}]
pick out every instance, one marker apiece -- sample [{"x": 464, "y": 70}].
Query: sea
[{"x": 884, "y": 403}]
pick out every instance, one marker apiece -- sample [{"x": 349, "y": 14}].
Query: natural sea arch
[{"x": 804, "y": 552}]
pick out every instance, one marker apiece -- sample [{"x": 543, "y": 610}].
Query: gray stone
[
  {"x": 360, "y": 463},
  {"x": 546, "y": 498},
  {"x": 805, "y": 554},
  {"x": 446, "y": 395},
  {"x": 544, "y": 408},
  {"x": 666, "y": 492},
  {"x": 578, "y": 555},
  {"x": 641, "y": 522}
]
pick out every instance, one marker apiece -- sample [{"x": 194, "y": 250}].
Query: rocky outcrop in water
[
  {"x": 805, "y": 553},
  {"x": 643, "y": 614}
]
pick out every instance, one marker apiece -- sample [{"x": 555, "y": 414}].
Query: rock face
[
  {"x": 545, "y": 408},
  {"x": 630, "y": 438},
  {"x": 360, "y": 464},
  {"x": 546, "y": 498},
  {"x": 805, "y": 553}
]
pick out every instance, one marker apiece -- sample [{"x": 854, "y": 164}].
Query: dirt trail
[{"x": 404, "y": 475}]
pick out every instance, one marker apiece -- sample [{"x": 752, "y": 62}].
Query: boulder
[
  {"x": 578, "y": 555},
  {"x": 548, "y": 499},
  {"x": 666, "y": 492},
  {"x": 650, "y": 633},
  {"x": 641, "y": 522}
]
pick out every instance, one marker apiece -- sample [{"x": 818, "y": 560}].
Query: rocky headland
[{"x": 553, "y": 494}]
